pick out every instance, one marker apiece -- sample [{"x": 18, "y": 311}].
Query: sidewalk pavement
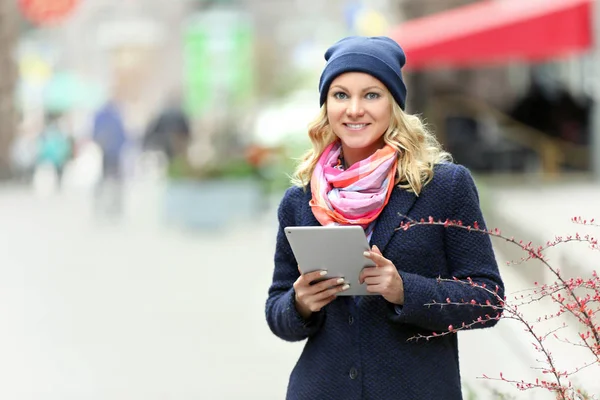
[
  {"x": 131, "y": 309},
  {"x": 135, "y": 310}
]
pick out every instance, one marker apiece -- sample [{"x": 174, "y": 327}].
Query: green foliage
[
  {"x": 468, "y": 392},
  {"x": 235, "y": 168}
]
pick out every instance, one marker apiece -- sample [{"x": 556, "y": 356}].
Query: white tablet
[{"x": 337, "y": 249}]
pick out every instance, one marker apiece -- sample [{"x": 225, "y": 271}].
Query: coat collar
[
  {"x": 308, "y": 218},
  {"x": 400, "y": 203}
]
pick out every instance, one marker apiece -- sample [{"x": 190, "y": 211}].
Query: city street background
[{"x": 145, "y": 145}]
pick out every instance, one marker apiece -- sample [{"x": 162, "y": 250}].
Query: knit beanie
[{"x": 378, "y": 56}]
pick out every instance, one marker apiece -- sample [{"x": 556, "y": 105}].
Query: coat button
[
  {"x": 353, "y": 373},
  {"x": 350, "y": 320}
]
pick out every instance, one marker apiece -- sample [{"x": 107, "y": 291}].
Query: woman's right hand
[{"x": 312, "y": 298}]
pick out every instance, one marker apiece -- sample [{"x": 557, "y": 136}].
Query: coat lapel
[
  {"x": 400, "y": 203},
  {"x": 308, "y": 218}
]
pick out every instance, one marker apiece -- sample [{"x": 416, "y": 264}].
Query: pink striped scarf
[{"x": 355, "y": 196}]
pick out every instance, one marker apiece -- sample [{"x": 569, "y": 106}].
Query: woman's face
[{"x": 359, "y": 112}]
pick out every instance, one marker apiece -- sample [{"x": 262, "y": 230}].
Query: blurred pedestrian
[
  {"x": 370, "y": 164},
  {"x": 55, "y": 147},
  {"x": 24, "y": 155},
  {"x": 169, "y": 131},
  {"x": 110, "y": 136}
]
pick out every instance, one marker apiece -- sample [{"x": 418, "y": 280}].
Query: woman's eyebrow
[{"x": 364, "y": 90}]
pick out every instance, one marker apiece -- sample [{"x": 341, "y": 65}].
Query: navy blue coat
[{"x": 360, "y": 349}]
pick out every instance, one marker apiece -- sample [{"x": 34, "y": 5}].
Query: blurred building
[
  {"x": 145, "y": 51},
  {"x": 127, "y": 49},
  {"x": 489, "y": 111},
  {"x": 8, "y": 116},
  {"x": 230, "y": 59},
  {"x": 474, "y": 81}
]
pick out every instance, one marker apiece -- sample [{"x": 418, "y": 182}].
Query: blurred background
[{"x": 145, "y": 144}]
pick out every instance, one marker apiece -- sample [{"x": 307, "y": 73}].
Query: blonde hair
[{"x": 418, "y": 149}]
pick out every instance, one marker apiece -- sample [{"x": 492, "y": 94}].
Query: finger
[
  {"x": 373, "y": 281},
  {"x": 303, "y": 283},
  {"x": 378, "y": 259},
  {"x": 332, "y": 291},
  {"x": 367, "y": 272},
  {"x": 313, "y": 276},
  {"x": 374, "y": 288},
  {"x": 376, "y": 250},
  {"x": 319, "y": 300},
  {"x": 325, "y": 285}
]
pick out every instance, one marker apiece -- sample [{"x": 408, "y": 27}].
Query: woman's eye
[
  {"x": 372, "y": 96},
  {"x": 340, "y": 95}
]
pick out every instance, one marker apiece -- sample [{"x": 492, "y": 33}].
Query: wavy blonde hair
[{"x": 418, "y": 149}]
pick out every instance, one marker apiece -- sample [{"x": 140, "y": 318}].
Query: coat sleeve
[
  {"x": 282, "y": 316},
  {"x": 469, "y": 255}
]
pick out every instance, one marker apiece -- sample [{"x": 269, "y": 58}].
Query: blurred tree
[{"x": 8, "y": 73}]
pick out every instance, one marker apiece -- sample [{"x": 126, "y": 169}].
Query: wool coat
[{"x": 360, "y": 348}]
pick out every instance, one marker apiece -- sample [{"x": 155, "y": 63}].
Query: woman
[{"x": 371, "y": 165}]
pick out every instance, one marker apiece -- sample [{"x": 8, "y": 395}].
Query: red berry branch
[{"x": 577, "y": 297}]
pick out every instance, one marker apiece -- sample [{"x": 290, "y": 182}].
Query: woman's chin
[{"x": 359, "y": 145}]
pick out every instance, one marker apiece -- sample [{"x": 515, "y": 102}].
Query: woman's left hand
[{"x": 384, "y": 278}]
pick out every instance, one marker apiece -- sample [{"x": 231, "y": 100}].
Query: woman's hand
[
  {"x": 312, "y": 298},
  {"x": 384, "y": 278}
]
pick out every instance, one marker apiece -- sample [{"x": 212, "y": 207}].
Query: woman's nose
[{"x": 355, "y": 109}]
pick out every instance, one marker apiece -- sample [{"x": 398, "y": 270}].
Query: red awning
[{"x": 497, "y": 31}]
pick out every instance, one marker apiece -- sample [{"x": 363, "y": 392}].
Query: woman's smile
[{"x": 356, "y": 127}]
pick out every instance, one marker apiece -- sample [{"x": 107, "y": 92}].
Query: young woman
[{"x": 371, "y": 165}]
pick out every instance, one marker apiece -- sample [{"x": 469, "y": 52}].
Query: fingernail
[
  {"x": 323, "y": 273},
  {"x": 366, "y": 254},
  {"x": 346, "y": 287},
  {"x": 341, "y": 280}
]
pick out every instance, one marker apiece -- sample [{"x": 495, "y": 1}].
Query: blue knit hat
[{"x": 378, "y": 56}]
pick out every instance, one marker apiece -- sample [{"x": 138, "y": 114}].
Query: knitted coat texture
[{"x": 359, "y": 348}]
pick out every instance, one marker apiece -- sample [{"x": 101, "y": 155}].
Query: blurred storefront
[
  {"x": 498, "y": 32},
  {"x": 472, "y": 79}
]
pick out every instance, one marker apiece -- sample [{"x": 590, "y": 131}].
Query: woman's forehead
[{"x": 357, "y": 80}]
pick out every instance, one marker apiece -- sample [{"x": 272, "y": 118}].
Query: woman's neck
[{"x": 352, "y": 156}]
